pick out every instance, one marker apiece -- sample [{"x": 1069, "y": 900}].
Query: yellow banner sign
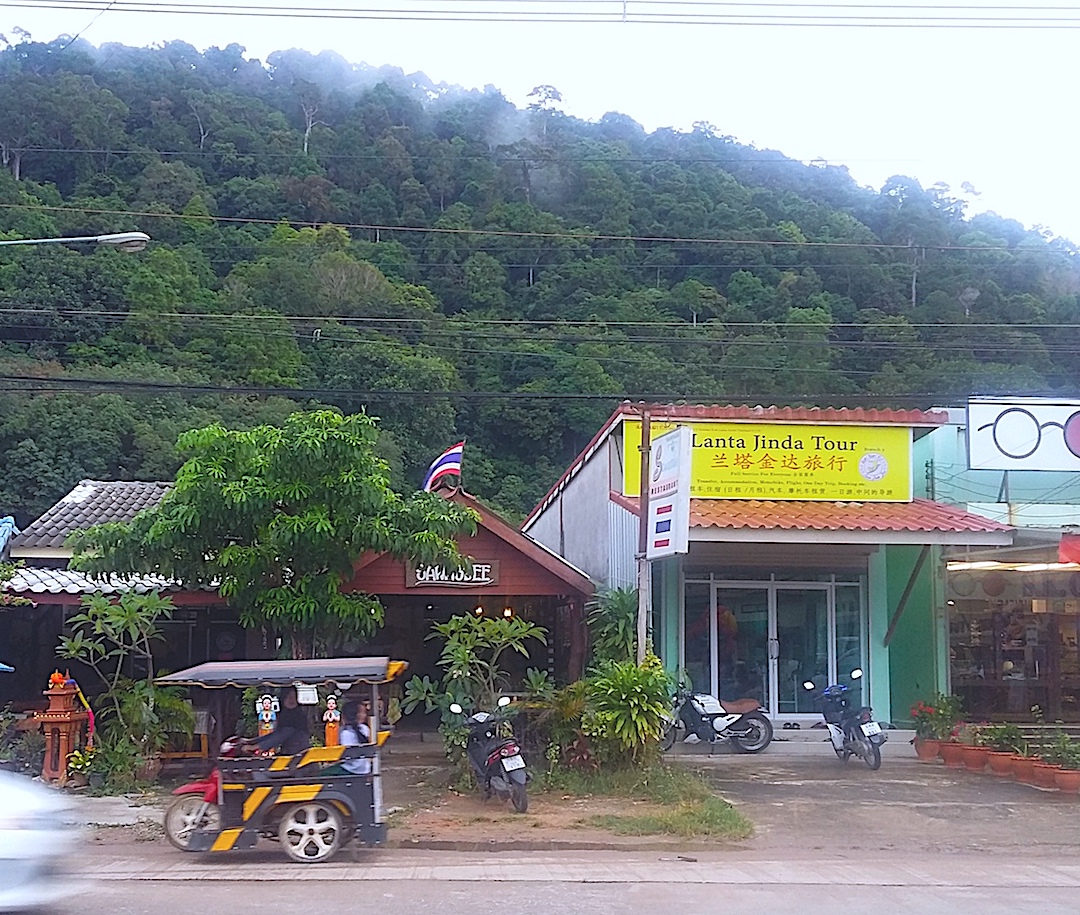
[{"x": 787, "y": 461}]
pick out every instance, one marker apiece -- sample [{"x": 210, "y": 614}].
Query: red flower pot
[
  {"x": 1044, "y": 774},
  {"x": 1000, "y": 763},
  {"x": 927, "y": 748},
  {"x": 1023, "y": 768},
  {"x": 953, "y": 754},
  {"x": 1067, "y": 780},
  {"x": 975, "y": 758}
]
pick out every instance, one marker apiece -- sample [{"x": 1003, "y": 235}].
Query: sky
[{"x": 992, "y": 107}]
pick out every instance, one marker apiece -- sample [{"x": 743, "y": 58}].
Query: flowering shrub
[{"x": 936, "y": 719}]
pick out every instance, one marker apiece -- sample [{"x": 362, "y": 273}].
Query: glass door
[
  {"x": 801, "y": 646},
  {"x": 742, "y": 644}
]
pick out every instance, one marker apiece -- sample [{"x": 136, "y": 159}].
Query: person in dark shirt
[{"x": 292, "y": 732}]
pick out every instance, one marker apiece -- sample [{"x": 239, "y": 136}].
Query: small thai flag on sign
[
  {"x": 446, "y": 464},
  {"x": 665, "y": 509}
]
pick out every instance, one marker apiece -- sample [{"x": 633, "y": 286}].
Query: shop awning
[
  {"x": 921, "y": 521},
  {"x": 241, "y": 674}
]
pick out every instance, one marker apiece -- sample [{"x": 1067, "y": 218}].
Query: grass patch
[
  {"x": 711, "y": 818},
  {"x": 691, "y": 808}
]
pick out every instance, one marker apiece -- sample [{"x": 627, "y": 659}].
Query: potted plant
[
  {"x": 952, "y": 750},
  {"x": 974, "y": 754},
  {"x": 934, "y": 722},
  {"x": 1067, "y": 778},
  {"x": 1004, "y": 741},
  {"x": 80, "y": 763}
]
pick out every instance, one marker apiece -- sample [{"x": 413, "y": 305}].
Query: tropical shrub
[
  {"x": 626, "y": 710},
  {"x": 612, "y": 622}
]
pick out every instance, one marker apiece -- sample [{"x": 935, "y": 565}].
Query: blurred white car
[{"x": 37, "y": 843}]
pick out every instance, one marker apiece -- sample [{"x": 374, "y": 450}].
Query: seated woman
[{"x": 355, "y": 732}]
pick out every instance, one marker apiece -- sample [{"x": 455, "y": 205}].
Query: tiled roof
[
  {"x": 29, "y": 581},
  {"x": 915, "y": 516},
  {"x": 739, "y": 412},
  {"x": 91, "y": 502},
  {"x": 919, "y": 515}
]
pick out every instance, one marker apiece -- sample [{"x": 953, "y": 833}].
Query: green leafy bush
[
  {"x": 612, "y": 621},
  {"x": 626, "y": 709}
]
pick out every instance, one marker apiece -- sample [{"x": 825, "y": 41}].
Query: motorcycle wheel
[
  {"x": 519, "y": 797},
  {"x": 842, "y": 755},
  {"x": 311, "y": 833},
  {"x": 758, "y": 736},
  {"x": 182, "y": 819},
  {"x": 871, "y": 753}
]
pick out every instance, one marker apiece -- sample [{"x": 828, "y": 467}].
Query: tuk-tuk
[{"x": 306, "y": 801}]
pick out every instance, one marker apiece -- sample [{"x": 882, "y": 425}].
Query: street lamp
[{"x": 122, "y": 241}]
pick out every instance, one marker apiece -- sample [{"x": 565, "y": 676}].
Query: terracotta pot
[
  {"x": 1067, "y": 780},
  {"x": 77, "y": 780},
  {"x": 150, "y": 769},
  {"x": 953, "y": 754},
  {"x": 975, "y": 758},
  {"x": 1044, "y": 774},
  {"x": 1001, "y": 763},
  {"x": 1023, "y": 768},
  {"x": 927, "y": 748}
]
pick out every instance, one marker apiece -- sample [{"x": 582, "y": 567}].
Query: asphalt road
[{"x": 908, "y": 838}]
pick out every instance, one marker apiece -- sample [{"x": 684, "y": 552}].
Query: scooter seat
[{"x": 740, "y": 706}]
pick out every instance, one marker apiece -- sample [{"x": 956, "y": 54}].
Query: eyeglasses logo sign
[{"x": 1024, "y": 434}]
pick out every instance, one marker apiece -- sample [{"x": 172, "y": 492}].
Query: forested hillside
[{"x": 331, "y": 233}]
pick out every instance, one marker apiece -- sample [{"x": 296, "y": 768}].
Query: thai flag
[{"x": 447, "y": 463}]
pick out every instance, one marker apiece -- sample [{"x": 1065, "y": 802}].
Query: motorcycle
[
  {"x": 496, "y": 759},
  {"x": 704, "y": 717},
  {"x": 197, "y": 803},
  {"x": 852, "y": 731}
]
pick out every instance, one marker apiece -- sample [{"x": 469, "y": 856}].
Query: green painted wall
[
  {"x": 915, "y": 652},
  {"x": 665, "y": 611}
]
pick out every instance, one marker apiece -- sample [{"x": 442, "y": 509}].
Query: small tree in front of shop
[{"x": 275, "y": 518}]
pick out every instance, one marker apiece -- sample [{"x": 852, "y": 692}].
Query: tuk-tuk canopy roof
[{"x": 344, "y": 671}]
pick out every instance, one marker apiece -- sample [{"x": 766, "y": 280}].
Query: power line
[
  {"x": 596, "y": 13},
  {"x": 507, "y": 233}
]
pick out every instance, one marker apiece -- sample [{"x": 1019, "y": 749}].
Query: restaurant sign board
[{"x": 482, "y": 573}]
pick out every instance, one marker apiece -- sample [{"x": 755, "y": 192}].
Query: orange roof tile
[
  {"x": 742, "y": 412},
  {"x": 916, "y": 516}
]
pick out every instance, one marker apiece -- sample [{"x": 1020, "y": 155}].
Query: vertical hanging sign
[{"x": 669, "y": 494}]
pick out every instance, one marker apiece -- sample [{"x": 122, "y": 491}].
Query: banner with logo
[
  {"x": 669, "y": 494},
  {"x": 786, "y": 461}
]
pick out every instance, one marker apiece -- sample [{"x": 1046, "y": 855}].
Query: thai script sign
[
  {"x": 787, "y": 461},
  {"x": 1023, "y": 433},
  {"x": 482, "y": 573}
]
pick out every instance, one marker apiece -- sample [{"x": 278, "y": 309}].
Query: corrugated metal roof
[
  {"x": 91, "y": 502},
  {"x": 30, "y": 581}
]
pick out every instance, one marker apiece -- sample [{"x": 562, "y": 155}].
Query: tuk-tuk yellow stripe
[
  {"x": 282, "y": 762},
  {"x": 236, "y": 787},
  {"x": 254, "y": 800},
  {"x": 291, "y": 793},
  {"x": 382, "y": 737},
  {"x": 226, "y": 839},
  {"x": 321, "y": 754}
]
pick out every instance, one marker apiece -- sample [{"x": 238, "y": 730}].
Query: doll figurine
[
  {"x": 267, "y": 707},
  {"x": 332, "y": 717}
]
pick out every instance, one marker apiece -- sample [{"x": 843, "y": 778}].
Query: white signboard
[
  {"x": 1024, "y": 433},
  {"x": 669, "y": 494}
]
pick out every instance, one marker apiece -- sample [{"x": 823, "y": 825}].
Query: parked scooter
[
  {"x": 852, "y": 730},
  {"x": 496, "y": 759},
  {"x": 698, "y": 716}
]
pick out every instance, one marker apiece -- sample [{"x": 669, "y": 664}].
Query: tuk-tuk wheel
[{"x": 311, "y": 833}]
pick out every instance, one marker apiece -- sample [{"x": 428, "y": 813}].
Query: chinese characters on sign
[{"x": 778, "y": 461}]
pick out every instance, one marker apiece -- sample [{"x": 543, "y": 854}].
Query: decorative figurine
[
  {"x": 332, "y": 717},
  {"x": 267, "y": 708}
]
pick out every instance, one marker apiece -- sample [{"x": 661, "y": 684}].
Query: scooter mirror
[
  {"x": 504, "y": 701},
  {"x": 856, "y": 673},
  {"x": 455, "y": 708},
  {"x": 808, "y": 684}
]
